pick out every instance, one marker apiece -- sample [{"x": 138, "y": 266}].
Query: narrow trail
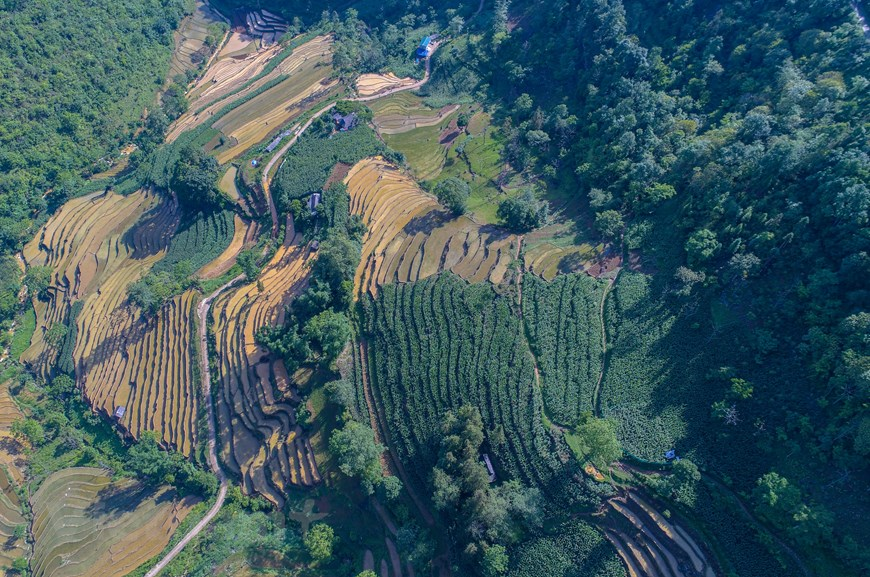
[
  {"x": 202, "y": 315},
  {"x": 596, "y": 392},
  {"x": 381, "y": 431}
]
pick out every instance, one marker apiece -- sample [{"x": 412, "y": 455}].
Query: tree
[
  {"x": 701, "y": 246},
  {"x": 456, "y": 25},
  {"x": 680, "y": 485},
  {"x": 329, "y": 332},
  {"x": 358, "y": 454},
  {"x": 494, "y": 561},
  {"x": 367, "y": 573},
  {"x": 319, "y": 541},
  {"x": 598, "y": 440},
  {"x": 38, "y": 279},
  {"x": 336, "y": 264},
  {"x": 29, "y": 429},
  {"x": 524, "y": 212},
  {"x": 194, "y": 180},
  {"x": 247, "y": 259},
  {"x": 55, "y": 334},
  {"x": 453, "y": 193},
  {"x": 609, "y": 223}
]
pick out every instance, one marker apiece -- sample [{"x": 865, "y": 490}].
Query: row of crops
[
  {"x": 198, "y": 240},
  {"x": 437, "y": 344},
  {"x": 564, "y": 327},
  {"x": 650, "y": 386},
  {"x": 309, "y": 162},
  {"x": 575, "y": 548}
]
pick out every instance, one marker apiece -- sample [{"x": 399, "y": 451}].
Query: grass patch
[{"x": 23, "y": 332}]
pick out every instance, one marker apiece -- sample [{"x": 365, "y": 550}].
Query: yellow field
[
  {"x": 256, "y": 414},
  {"x": 85, "y": 524},
  {"x": 226, "y": 75},
  {"x": 83, "y": 243},
  {"x": 98, "y": 245},
  {"x": 254, "y": 120},
  {"x": 404, "y": 112},
  {"x": 227, "y": 258},
  {"x": 11, "y": 459},
  {"x": 410, "y": 237},
  {"x": 370, "y": 84}
]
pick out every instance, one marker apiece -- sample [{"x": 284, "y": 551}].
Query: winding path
[
  {"x": 267, "y": 179},
  {"x": 202, "y": 314}
]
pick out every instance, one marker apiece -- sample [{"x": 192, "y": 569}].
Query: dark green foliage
[
  {"x": 609, "y": 223},
  {"x": 319, "y": 541},
  {"x": 653, "y": 364},
  {"x": 148, "y": 460},
  {"x": 154, "y": 289},
  {"x": 65, "y": 363},
  {"x": 328, "y": 333},
  {"x": 743, "y": 544},
  {"x": 563, "y": 323},
  {"x": 307, "y": 165},
  {"x": 598, "y": 442},
  {"x": 438, "y": 344},
  {"x": 199, "y": 239},
  {"x": 575, "y": 548},
  {"x": 37, "y": 279},
  {"x": 358, "y": 454},
  {"x": 194, "y": 180},
  {"x": 453, "y": 193},
  {"x": 10, "y": 284},
  {"x": 480, "y": 515},
  {"x": 77, "y": 76},
  {"x": 248, "y": 259},
  {"x": 524, "y": 212}
]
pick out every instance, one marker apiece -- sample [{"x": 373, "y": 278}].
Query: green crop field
[
  {"x": 199, "y": 240},
  {"x": 437, "y": 344},
  {"x": 564, "y": 326}
]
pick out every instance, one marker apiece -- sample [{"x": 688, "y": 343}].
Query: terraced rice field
[
  {"x": 98, "y": 245},
  {"x": 227, "y": 258},
  {"x": 11, "y": 451},
  {"x": 403, "y": 112},
  {"x": 190, "y": 47},
  {"x": 228, "y": 75},
  {"x": 10, "y": 475},
  {"x": 417, "y": 131},
  {"x": 650, "y": 544},
  {"x": 83, "y": 242},
  {"x": 85, "y": 524},
  {"x": 254, "y": 120},
  {"x": 411, "y": 238},
  {"x": 142, "y": 366},
  {"x": 547, "y": 259},
  {"x": 371, "y": 84},
  {"x": 259, "y": 439}
]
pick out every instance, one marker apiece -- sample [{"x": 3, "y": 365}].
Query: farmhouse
[
  {"x": 423, "y": 49},
  {"x": 313, "y": 202},
  {"x": 345, "y": 122}
]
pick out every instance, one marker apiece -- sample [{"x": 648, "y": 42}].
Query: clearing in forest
[
  {"x": 86, "y": 524},
  {"x": 259, "y": 439},
  {"x": 410, "y": 237}
]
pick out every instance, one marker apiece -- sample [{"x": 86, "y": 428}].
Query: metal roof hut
[
  {"x": 119, "y": 411},
  {"x": 489, "y": 468},
  {"x": 345, "y": 122},
  {"x": 313, "y": 202}
]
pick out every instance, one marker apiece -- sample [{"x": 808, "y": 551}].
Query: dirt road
[{"x": 202, "y": 314}]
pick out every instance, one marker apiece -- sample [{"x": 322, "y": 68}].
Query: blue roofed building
[{"x": 423, "y": 49}]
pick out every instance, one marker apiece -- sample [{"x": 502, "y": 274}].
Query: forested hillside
[{"x": 76, "y": 79}]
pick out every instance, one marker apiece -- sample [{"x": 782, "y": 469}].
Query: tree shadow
[{"x": 115, "y": 500}]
